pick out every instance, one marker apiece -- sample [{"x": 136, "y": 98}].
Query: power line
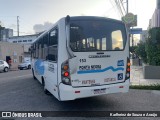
[
  {"x": 119, "y": 7},
  {"x": 114, "y": 4},
  {"x": 121, "y": 1}
]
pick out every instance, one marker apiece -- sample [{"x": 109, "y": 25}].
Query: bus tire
[
  {"x": 33, "y": 75},
  {"x": 44, "y": 88}
]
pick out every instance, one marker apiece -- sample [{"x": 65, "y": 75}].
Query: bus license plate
[{"x": 99, "y": 91}]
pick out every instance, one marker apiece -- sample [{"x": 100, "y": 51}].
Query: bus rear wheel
[
  {"x": 44, "y": 88},
  {"x": 33, "y": 75}
]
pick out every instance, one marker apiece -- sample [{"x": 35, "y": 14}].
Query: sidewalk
[
  {"x": 136, "y": 77},
  {"x": 13, "y": 69}
]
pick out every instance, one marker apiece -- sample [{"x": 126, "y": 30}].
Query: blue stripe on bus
[
  {"x": 39, "y": 67},
  {"x": 103, "y": 70}
]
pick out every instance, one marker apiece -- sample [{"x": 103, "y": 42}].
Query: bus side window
[
  {"x": 53, "y": 38},
  {"x": 40, "y": 46},
  {"x": 52, "y": 47},
  {"x": 36, "y": 47},
  {"x": 117, "y": 40},
  {"x": 45, "y": 46}
]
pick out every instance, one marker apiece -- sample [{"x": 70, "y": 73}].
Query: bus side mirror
[{"x": 67, "y": 19}]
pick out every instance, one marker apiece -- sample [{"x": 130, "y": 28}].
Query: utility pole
[
  {"x": 128, "y": 28},
  {"x": 126, "y": 6},
  {"x": 17, "y": 25}
]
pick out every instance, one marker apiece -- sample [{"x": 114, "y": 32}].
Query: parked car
[
  {"x": 4, "y": 66},
  {"x": 24, "y": 65}
]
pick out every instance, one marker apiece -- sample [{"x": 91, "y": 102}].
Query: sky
[{"x": 37, "y": 15}]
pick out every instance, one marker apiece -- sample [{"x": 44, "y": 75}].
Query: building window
[
  {"x": 24, "y": 40},
  {"x": 14, "y": 41},
  {"x": 29, "y": 40},
  {"x": 45, "y": 46}
]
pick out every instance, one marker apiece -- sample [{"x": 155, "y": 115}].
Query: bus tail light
[
  {"x": 65, "y": 75},
  {"x": 65, "y": 67},
  {"x": 128, "y": 69},
  {"x": 77, "y": 91}
]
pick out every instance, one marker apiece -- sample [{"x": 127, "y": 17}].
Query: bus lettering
[
  {"x": 90, "y": 67},
  {"x": 88, "y": 81},
  {"x": 95, "y": 67},
  {"x": 86, "y": 67},
  {"x": 82, "y": 60}
]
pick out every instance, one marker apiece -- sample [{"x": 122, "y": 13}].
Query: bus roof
[{"x": 93, "y": 18}]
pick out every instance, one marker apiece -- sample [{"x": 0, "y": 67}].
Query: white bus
[{"x": 82, "y": 56}]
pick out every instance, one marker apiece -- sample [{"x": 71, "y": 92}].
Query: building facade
[
  {"x": 143, "y": 35},
  {"x": 5, "y": 33},
  {"x": 14, "y": 52},
  {"x": 155, "y": 20},
  {"x": 26, "y": 41}
]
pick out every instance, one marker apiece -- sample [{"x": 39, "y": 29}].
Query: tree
[
  {"x": 140, "y": 51},
  {"x": 153, "y": 47},
  {"x": 149, "y": 51}
]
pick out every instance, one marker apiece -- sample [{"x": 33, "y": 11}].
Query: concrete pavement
[{"x": 136, "y": 77}]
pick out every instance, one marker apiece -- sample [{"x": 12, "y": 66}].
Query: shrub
[
  {"x": 146, "y": 87},
  {"x": 140, "y": 51},
  {"x": 153, "y": 47},
  {"x": 149, "y": 51}
]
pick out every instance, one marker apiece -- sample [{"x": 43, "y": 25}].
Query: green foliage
[
  {"x": 140, "y": 51},
  {"x": 146, "y": 87},
  {"x": 132, "y": 48},
  {"x": 153, "y": 47},
  {"x": 149, "y": 51}
]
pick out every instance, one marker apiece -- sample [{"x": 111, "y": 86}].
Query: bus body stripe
[{"x": 103, "y": 70}]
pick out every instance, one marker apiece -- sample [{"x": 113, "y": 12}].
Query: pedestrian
[{"x": 10, "y": 63}]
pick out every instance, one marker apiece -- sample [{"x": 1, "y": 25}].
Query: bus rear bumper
[{"x": 70, "y": 93}]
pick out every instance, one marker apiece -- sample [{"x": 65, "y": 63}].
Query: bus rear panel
[{"x": 100, "y": 63}]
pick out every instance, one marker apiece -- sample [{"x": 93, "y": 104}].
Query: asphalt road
[{"x": 20, "y": 92}]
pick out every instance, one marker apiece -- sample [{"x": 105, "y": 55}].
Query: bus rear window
[{"x": 97, "y": 36}]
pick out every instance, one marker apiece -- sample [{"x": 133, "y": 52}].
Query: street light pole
[{"x": 126, "y": 6}]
